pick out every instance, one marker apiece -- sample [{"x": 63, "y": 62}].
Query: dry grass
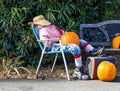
[
  {"x": 8, "y": 69},
  {"x": 12, "y": 68}
]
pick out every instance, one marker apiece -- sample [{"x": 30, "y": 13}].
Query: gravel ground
[{"x": 57, "y": 84}]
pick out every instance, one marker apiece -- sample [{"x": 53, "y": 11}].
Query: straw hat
[{"x": 40, "y": 20}]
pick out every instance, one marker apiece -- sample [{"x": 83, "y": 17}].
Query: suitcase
[{"x": 93, "y": 62}]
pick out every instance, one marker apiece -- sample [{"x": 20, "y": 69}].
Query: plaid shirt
[{"x": 49, "y": 32}]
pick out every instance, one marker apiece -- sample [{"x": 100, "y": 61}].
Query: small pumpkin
[
  {"x": 70, "y": 38},
  {"x": 106, "y": 71},
  {"x": 116, "y": 42}
]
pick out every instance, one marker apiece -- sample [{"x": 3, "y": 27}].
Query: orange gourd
[
  {"x": 106, "y": 71},
  {"x": 70, "y": 38},
  {"x": 116, "y": 42}
]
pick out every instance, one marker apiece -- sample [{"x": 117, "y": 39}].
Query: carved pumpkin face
[
  {"x": 70, "y": 38},
  {"x": 106, "y": 71},
  {"x": 116, "y": 42}
]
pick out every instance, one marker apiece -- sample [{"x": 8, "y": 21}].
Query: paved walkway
[{"x": 58, "y": 85}]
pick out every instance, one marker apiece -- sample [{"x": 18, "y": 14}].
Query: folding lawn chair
[{"x": 43, "y": 48}]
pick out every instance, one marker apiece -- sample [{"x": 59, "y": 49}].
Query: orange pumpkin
[
  {"x": 106, "y": 71},
  {"x": 70, "y": 38},
  {"x": 116, "y": 42}
]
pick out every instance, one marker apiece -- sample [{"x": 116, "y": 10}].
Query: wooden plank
[
  {"x": 100, "y": 43},
  {"x": 100, "y": 24},
  {"x": 112, "y": 50}
]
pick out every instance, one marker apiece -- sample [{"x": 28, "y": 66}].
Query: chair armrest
[
  {"x": 56, "y": 39},
  {"x": 47, "y": 41}
]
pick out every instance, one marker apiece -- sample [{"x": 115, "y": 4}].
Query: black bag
[{"x": 93, "y": 62}]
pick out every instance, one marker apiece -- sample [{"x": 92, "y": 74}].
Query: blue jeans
[{"x": 72, "y": 48}]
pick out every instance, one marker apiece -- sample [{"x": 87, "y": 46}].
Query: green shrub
[{"x": 16, "y": 37}]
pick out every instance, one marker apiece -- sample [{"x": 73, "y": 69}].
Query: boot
[
  {"x": 79, "y": 74},
  {"x": 96, "y": 52}
]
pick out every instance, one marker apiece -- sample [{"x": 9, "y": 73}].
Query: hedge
[{"x": 16, "y": 37}]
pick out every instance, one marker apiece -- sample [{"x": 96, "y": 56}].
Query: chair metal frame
[{"x": 43, "y": 48}]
